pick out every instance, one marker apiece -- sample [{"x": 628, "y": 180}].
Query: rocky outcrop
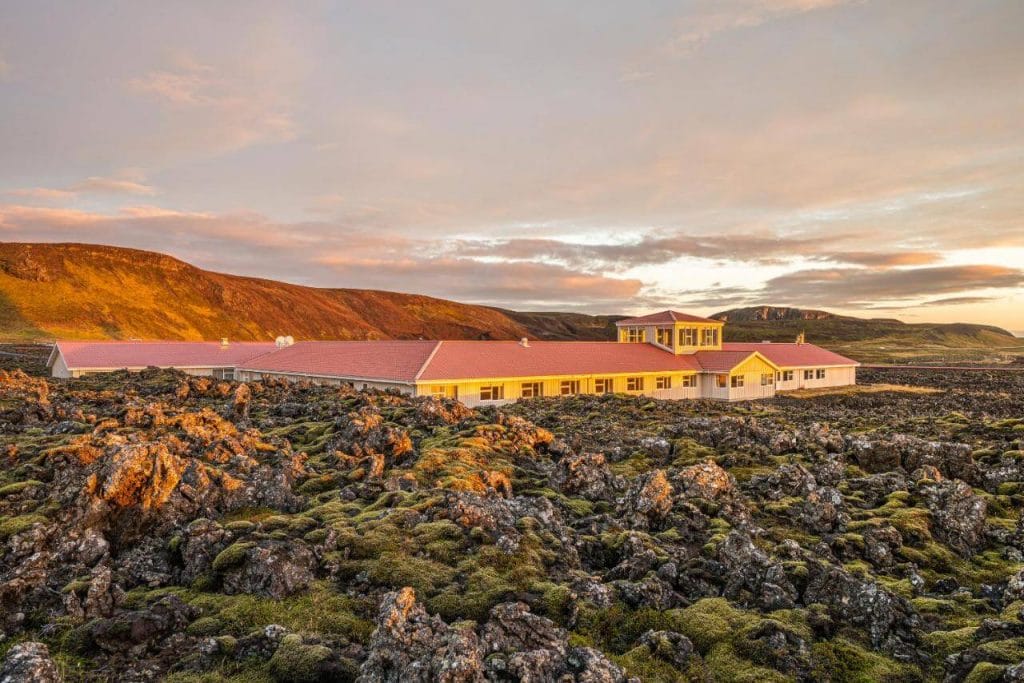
[{"x": 29, "y": 661}]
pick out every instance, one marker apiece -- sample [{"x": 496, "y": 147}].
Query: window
[
  {"x": 532, "y": 389},
  {"x": 808, "y": 374},
  {"x": 819, "y": 373},
  {"x": 224, "y": 373},
  {"x": 494, "y": 392},
  {"x": 569, "y": 387},
  {"x": 688, "y": 336},
  {"x": 663, "y": 335},
  {"x": 689, "y": 381},
  {"x": 634, "y": 384},
  {"x": 437, "y": 391},
  {"x": 664, "y": 382},
  {"x": 603, "y": 385},
  {"x": 787, "y": 375},
  {"x": 736, "y": 381},
  {"x": 767, "y": 379},
  {"x": 635, "y": 335},
  {"x": 710, "y": 337},
  {"x": 721, "y": 381}
]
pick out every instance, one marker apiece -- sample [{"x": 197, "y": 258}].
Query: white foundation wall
[
  {"x": 255, "y": 376},
  {"x": 834, "y": 377}
]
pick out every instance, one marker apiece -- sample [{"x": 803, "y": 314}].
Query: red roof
[
  {"x": 665, "y": 318},
  {"x": 789, "y": 355},
  {"x": 470, "y": 359},
  {"x": 113, "y": 355},
  {"x": 720, "y": 361},
  {"x": 392, "y": 360}
]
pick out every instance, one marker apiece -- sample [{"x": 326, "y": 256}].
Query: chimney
[
  {"x": 524, "y": 342},
  {"x": 223, "y": 342},
  {"x": 800, "y": 338}
]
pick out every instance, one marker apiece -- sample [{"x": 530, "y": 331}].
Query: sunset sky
[{"x": 609, "y": 157}]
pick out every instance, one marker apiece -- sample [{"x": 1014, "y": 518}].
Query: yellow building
[{"x": 666, "y": 355}]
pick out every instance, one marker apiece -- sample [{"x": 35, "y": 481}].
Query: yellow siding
[
  {"x": 650, "y": 336},
  {"x": 469, "y": 390}
]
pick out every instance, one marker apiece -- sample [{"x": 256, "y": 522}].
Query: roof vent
[
  {"x": 282, "y": 342},
  {"x": 800, "y": 339},
  {"x": 223, "y": 342},
  {"x": 524, "y": 342}
]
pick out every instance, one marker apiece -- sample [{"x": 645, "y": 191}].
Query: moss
[
  {"x": 711, "y": 620},
  {"x": 295, "y": 662},
  {"x": 842, "y": 660},
  {"x": 985, "y": 672},
  {"x": 204, "y": 626},
  {"x": 321, "y": 610},
  {"x": 724, "y": 665},
  {"x": 643, "y": 664},
  {"x": 10, "y": 526},
  {"x": 944, "y": 643},
  {"x": 395, "y": 570},
  {"x": 232, "y": 555},
  {"x": 18, "y": 487},
  {"x": 1007, "y": 651}
]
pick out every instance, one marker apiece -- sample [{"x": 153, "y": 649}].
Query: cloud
[
  {"x": 885, "y": 260},
  {"x": 721, "y": 16},
  {"x": 855, "y": 287},
  {"x": 654, "y": 249},
  {"x": 239, "y": 109},
  {"x": 959, "y": 301},
  {"x": 128, "y": 184}
]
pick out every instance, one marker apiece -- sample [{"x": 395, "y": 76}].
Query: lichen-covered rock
[
  {"x": 411, "y": 646},
  {"x": 674, "y": 648},
  {"x": 823, "y": 511},
  {"x": 275, "y": 569},
  {"x": 647, "y": 501},
  {"x": 29, "y": 661},
  {"x": 586, "y": 475},
  {"x": 958, "y": 514}
]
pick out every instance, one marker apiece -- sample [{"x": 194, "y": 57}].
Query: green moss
[
  {"x": 18, "y": 487},
  {"x": 944, "y": 643},
  {"x": 295, "y": 662},
  {"x": 985, "y": 672},
  {"x": 842, "y": 660},
  {"x": 232, "y": 555},
  {"x": 204, "y": 626},
  {"x": 1007, "y": 651},
  {"x": 395, "y": 570},
  {"x": 10, "y": 526},
  {"x": 725, "y": 666}
]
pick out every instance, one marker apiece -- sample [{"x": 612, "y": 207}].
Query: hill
[
  {"x": 557, "y": 326},
  {"x": 100, "y": 292},
  {"x": 868, "y": 339}
]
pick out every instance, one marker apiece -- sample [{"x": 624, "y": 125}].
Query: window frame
[
  {"x": 496, "y": 392},
  {"x": 607, "y": 385},
  {"x": 569, "y": 387},
  {"x": 635, "y": 383},
  {"x": 688, "y": 336},
  {"x": 663, "y": 382},
  {"x": 709, "y": 336},
  {"x": 536, "y": 390},
  {"x": 635, "y": 335},
  {"x": 767, "y": 379},
  {"x": 689, "y": 381},
  {"x": 820, "y": 373},
  {"x": 736, "y": 381},
  {"x": 722, "y": 381},
  {"x": 787, "y": 376}
]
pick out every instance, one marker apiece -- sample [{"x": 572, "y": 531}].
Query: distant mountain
[
  {"x": 862, "y": 338},
  {"x": 99, "y": 292},
  {"x": 773, "y": 313},
  {"x": 557, "y": 326}
]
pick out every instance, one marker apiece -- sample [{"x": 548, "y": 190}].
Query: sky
[{"x": 862, "y": 156}]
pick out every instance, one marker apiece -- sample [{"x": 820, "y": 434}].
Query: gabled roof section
[
  {"x": 725, "y": 361},
  {"x": 386, "y": 360},
  {"x": 455, "y": 360},
  {"x": 789, "y": 355},
  {"x": 114, "y": 355},
  {"x": 666, "y": 318}
]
